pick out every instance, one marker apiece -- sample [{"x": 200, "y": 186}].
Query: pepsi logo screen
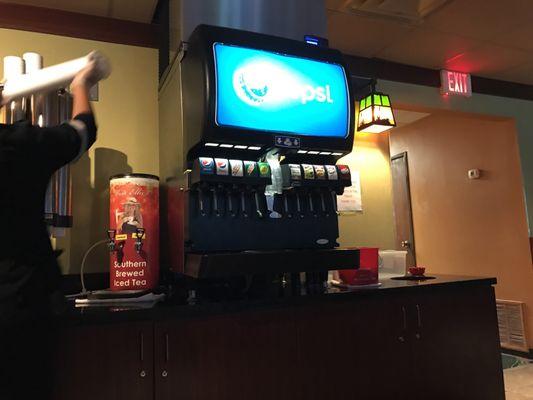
[{"x": 261, "y": 90}]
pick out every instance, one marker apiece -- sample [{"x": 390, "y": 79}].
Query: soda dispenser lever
[
  {"x": 334, "y": 201},
  {"x": 201, "y": 204},
  {"x": 257, "y": 204},
  {"x": 311, "y": 204},
  {"x": 230, "y": 203},
  {"x": 292, "y": 181},
  {"x": 286, "y": 209},
  {"x": 333, "y": 179},
  {"x": 215, "y": 201},
  {"x": 299, "y": 205},
  {"x": 323, "y": 203},
  {"x": 320, "y": 176},
  {"x": 243, "y": 203},
  {"x": 222, "y": 169},
  {"x": 237, "y": 173}
]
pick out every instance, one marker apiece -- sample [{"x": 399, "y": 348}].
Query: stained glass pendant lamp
[{"x": 375, "y": 113}]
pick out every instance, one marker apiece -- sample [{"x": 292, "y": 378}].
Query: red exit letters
[{"x": 452, "y": 82}]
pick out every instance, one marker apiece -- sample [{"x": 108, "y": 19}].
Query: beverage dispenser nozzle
[
  {"x": 214, "y": 190},
  {"x": 115, "y": 243},
  {"x": 286, "y": 208},
  {"x": 292, "y": 182},
  {"x": 311, "y": 203},
  {"x": 265, "y": 174},
  {"x": 111, "y": 245},
  {"x": 333, "y": 185},
  {"x": 334, "y": 200},
  {"x": 320, "y": 176},
  {"x": 299, "y": 205},
  {"x": 257, "y": 204},
  {"x": 139, "y": 239},
  {"x": 206, "y": 166},
  {"x": 309, "y": 178},
  {"x": 237, "y": 174},
  {"x": 201, "y": 202},
  {"x": 323, "y": 203},
  {"x": 243, "y": 203},
  {"x": 341, "y": 177},
  {"x": 231, "y": 210}
]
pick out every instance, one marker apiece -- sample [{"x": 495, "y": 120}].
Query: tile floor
[{"x": 519, "y": 382}]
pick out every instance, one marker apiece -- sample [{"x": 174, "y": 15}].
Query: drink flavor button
[
  {"x": 237, "y": 168},
  {"x": 207, "y": 165},
  {"x": 332, "y": 172},
  {"x": 222, "y": 166},
  {"x": 296, "y": 171},
  {"x": 309, "y": 172},
  {"x": 320, "y": 172},
  {"x": 250, "y": 168},
  {"x": 264, "y": 169},
  {"x": 344, "y": 171}
]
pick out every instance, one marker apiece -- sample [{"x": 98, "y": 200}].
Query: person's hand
[{"x": 86, "y": 78}]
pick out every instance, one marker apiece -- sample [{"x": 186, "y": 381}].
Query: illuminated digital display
[
  {"x": 452, "y": 82},
  {"x": 260, "y": 90}
]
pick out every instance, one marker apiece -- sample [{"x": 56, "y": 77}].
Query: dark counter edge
[{"x": 169, "y": 309}]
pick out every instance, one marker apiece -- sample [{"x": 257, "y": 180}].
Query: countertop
[{"x": 182, "y": 301}]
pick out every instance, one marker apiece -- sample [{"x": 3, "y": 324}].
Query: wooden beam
[
  {"x": 64, "y": 23},
  {"x": 392, "y": 71}
]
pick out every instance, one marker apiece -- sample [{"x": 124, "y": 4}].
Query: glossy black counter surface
[{"x": 184, "y": 302}]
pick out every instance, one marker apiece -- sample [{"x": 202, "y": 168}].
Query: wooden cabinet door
[
  {"x": 104, "y": 362},
  {"x": 241, "y": 356},
  {"x": 354, "y": 350},
  {"x": 457, "y": 353}
]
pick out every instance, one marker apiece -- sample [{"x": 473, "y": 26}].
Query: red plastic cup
[{"x": 367, "y": 274}]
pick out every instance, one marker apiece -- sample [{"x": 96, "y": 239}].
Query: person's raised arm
[
  {"x": 59, "y": 145},
  {"x": 79, "y": 88}
]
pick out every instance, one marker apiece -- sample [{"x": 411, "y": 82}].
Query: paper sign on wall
[{"x": 350, "y": 200}]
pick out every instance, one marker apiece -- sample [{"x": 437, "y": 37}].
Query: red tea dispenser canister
[{"x": 134, "y": 231}]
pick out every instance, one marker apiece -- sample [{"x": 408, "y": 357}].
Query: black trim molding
[{"x": 362, "y": 67}]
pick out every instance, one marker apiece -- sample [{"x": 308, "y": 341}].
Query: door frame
[{"x": 408, "y": 184}]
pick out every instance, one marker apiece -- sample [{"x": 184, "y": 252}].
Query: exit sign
[{"x": 452, "y": 82}]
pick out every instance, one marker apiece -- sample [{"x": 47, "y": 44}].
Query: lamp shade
[{"x": 375, "y": 114}]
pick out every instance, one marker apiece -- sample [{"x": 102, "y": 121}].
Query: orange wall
[{"x": 469, "y": 227}]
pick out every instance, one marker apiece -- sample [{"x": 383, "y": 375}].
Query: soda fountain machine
[{"x": 265, "y": 120}]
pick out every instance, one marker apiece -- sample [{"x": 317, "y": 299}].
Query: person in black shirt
[{"x": 29, "y": 273}]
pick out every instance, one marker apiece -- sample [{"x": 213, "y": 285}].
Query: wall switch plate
[{"x": 474, "y": 174}]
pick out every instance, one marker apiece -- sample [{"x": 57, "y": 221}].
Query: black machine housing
[
  {"x": 199, "y": 97},
  {"x": 221, "y": 223}
]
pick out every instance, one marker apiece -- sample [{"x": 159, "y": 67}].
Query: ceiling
[
  {"x": 131, "y": 10},
  {"x": 489, "y": 38}
]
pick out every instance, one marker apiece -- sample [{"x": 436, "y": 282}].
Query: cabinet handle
[
  {"x": 142, "y": 346},
  {"x": 143, "y": 374},
  {"x": 164, "y": 374},
  {"x": 404, "y": 314},
  {"x": 167, "y": 355},
  {"x": 419, "y": 316}
]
